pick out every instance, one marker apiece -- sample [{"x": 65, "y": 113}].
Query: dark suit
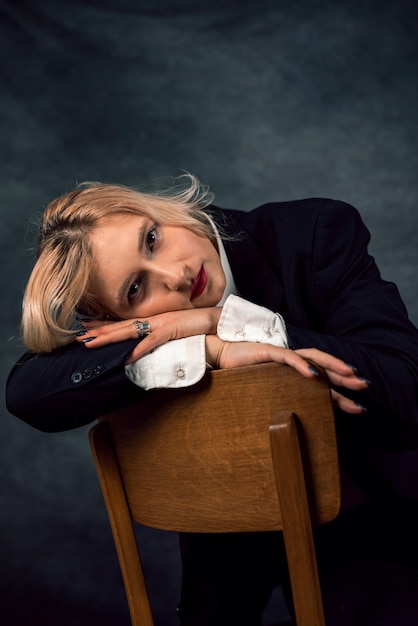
[{"x": 307, "y": 260}]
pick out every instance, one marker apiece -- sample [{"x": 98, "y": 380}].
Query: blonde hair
[{"x": 58, "y": 287}]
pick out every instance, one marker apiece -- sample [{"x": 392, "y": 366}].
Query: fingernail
[
  {"x": 355, "y": 370},
  {"x": 360, "y": 406},
  {"x": 87, "y": 339},
  {"x": 364, "y": 380},
  {"x": 81, "y": 333},
  {"x": 313, "y": 370}
]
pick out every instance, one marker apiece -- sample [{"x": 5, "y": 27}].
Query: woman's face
[{"x": 142, "y": 268}]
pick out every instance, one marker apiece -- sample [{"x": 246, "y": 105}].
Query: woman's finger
[
  {"x": 327, "y": 361},
  {"x": 145, "y": 346},
  {"x": 345, "y": 404},
  {"x": 353, "y": 382},
  {"x": 339, "y": 373},
  {"x": 113, "y": 332}
]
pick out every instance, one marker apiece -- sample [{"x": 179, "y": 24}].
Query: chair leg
[
  {"x": 121, "y": 523},
  {"x": 296, "y": 521}
]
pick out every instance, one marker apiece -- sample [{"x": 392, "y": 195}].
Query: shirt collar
[{"x": 230, "y": 287}]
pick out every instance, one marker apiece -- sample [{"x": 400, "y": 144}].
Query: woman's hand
[
  {"x": 339, "y": 374},
  {"x": 220, "y": 354},
  {"x": 164, "y": 327}
]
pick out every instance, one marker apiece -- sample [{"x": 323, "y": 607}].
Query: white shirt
[{"x": 182, "y": 362}]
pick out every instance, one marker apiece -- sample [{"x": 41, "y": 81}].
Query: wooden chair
[{"x": 246, "y": 449}]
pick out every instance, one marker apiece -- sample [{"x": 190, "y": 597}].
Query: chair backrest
[{"x": 219, "y": 457}]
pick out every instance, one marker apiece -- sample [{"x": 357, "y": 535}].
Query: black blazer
[{"x": 307, "y": 260}]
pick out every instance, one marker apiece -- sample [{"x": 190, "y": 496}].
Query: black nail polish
[
  {"x": 87, "y": 339},
  {"x": 360, "y": 406},
  {"x": 355, "y": 370},
  {"x": 313, "y": 370},
  {"x": 81, "y": 333},
  {"x": 364, "y": 380}
]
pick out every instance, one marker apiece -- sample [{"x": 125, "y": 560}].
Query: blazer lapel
[{"x": 255, "y": 277}]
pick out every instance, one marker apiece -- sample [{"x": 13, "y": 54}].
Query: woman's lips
[{"x": 199, "y": 284}]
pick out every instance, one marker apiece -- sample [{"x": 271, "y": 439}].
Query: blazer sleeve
[
  {"x": 71, "y": 386},
  {"x": 361, "y": 319}
]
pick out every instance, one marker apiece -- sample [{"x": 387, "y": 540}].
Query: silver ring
[{"x": 142, "y": 328}]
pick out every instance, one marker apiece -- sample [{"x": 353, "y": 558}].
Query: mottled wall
[{"x": 263, "y": 100}]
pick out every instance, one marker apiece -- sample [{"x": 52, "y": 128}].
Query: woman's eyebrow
[{"x": 130, "y": 279}]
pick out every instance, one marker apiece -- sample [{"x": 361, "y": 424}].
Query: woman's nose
[{"x": 172, "y": 276}]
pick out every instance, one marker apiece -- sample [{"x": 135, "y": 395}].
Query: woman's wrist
[
  {"x": 214, "y": 347},
  {"x": 214, "y": 317}
]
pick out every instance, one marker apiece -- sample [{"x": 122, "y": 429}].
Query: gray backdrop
[{"x": 262, "y": 100}]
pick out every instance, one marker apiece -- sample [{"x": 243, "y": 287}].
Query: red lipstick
[{"x": 199, "y": 284}]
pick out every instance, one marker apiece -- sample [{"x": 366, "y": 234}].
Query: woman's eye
[
  {"x": 134, "y": 290},
  {"x": 152, "y": 239}
]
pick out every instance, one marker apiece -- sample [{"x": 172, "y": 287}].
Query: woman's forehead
[{"x": 121, "y": 219}]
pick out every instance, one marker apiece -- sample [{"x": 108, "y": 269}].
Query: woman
[{"x": 163, "y": 277}]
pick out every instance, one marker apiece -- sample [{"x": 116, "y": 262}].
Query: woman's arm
[
  {"x": 72, "y": 386},
  {"x": 249, "y": 322},
  {"x": 361, "y": 319},
  {"x": 164, "y": 327}
]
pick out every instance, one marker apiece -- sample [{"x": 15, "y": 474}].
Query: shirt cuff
[
  {"x": 244, "y": 321},
  {"x": 177, "y": 363}
]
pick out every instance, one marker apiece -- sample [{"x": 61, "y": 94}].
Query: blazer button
[
  {"x": 88, "y": 373},
  {"x": 98, "y": 370},
  {"x": 76, "y": 377}
]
